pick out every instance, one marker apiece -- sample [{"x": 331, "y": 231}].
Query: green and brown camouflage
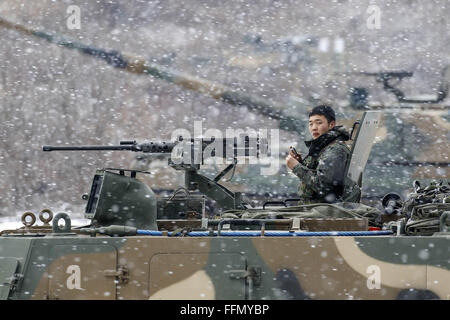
[
  {"x": 141, "y": 66},
  {"x": 49, "y": 265},
  {"x": 322, "y": 172},
  {"x": 318, "y": 251}
]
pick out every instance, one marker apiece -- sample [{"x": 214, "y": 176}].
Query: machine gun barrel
[
  {"x": 84, "y": 148},
  {"x": 150, "y": 147},
  {"x": 191, "y": 156},
  {"x": 229, "y": 147}
]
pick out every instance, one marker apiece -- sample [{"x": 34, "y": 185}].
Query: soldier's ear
[{"x": 331, "y": 124}]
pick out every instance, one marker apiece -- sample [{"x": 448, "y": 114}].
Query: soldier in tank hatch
[{"x": 322, "y": 171}]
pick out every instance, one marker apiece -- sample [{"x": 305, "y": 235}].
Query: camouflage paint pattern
[
  {"x": 376, "y": 267},
  {"x": 319, "y": 175}
]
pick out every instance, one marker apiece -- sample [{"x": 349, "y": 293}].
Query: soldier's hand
[
  {"x": 295, "y": 155},
  {"x": 291, "y": 162}
]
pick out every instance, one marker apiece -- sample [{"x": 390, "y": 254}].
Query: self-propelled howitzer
[{"x": 141, "y": 66}]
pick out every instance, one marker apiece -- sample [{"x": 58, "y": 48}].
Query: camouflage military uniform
[{"x": 322, "y": 172}]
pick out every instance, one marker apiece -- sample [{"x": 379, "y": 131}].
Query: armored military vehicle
[{"x": 142, "y": 246}]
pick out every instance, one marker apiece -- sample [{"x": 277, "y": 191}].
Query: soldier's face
[{"x": 318, "y": 125}]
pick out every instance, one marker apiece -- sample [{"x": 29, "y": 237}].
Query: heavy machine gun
[
  {"x": 186, "y": 155},
  {"x": 110, "y": 190}
]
